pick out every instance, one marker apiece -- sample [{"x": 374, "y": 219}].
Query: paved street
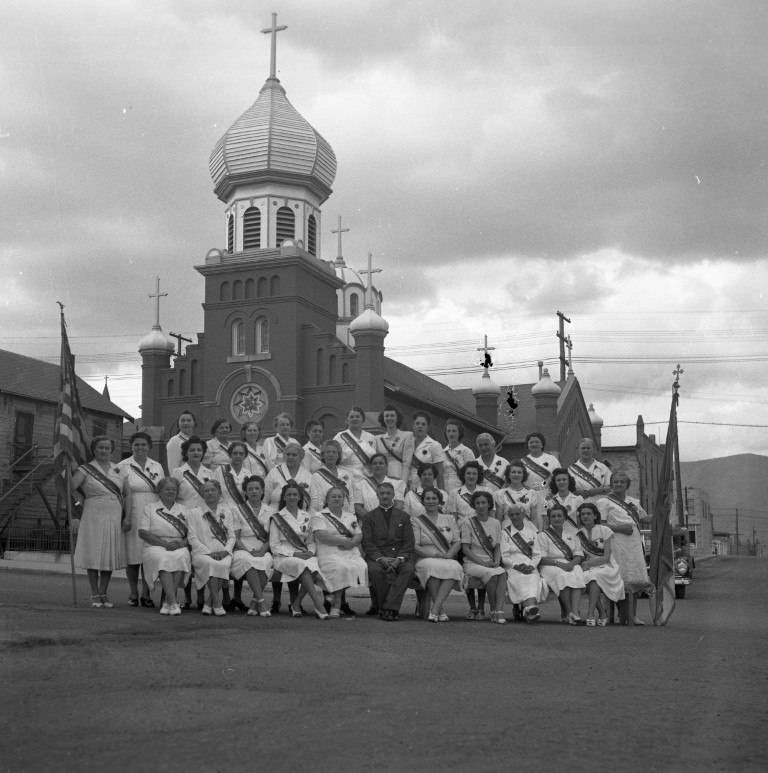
[{"x": 113, "y": 690}]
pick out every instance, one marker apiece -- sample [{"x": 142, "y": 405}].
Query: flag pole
[{"x": 67, "y": 472}]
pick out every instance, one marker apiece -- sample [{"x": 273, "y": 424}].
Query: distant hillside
[{"x": 731, "y": 482}]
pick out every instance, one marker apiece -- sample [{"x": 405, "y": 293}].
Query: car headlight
[{"x": 681, "y": 566}]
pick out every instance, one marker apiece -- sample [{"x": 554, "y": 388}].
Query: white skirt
[
  {"x": 558, "y": 579},
  {"x": 608, "y": 579},
  {"x": 243, "y": 562},
  {"x": 441, "y": 569},
  {"x": 206, "y": 567},
  {"x": 483, "y": 573},
  {"x": 157, "y": 559},
  {"x": 525, "y": 586},
  {"x": 291, "y": 568},
  {"x": 342, "y": 568}
]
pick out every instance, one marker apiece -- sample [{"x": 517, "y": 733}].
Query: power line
[{"x": 683, "y": 421}]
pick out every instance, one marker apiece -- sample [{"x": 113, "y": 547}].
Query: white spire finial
[{"x": 273, "y": 30}]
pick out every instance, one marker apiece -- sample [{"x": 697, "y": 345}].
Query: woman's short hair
[
  {"x": 539, "y": 436},
  {"x": 585, "y": 440},
  {"x": 621, "y": 474},
  {"x": 191, "y": 441},
  {"x": 292, "y": 443},
  {"x": 331, "y": 443},
  {"x": 423, "y": 415},
  {"x": 561, "y": 471},
  {"x": 186, "y": 413},
  {"x": 398, "y": 420},
  {"x": 283, "y": 415},
  {"x": 472, "y": 465},
  {"x": 478, "y": 494},
  {"x": 213, "y": 482},
  {"x": 356, "y": 409},
  {"x": 253, "y": 479},
  {"x": 485, "y": 436},
  {"x": 589, "y": 506},
  {"x": 561, "y": 508},
  {"x": 313, "y": 423},
  {"x": 218, "y": 423},
  {"x": 424, "y": 466},
  {"x": 333, "y": 488},
  {"x": 455, "y": 423},
  {"x": 161, "y": 483},
  {"x": 140, "y": 436},
  {"x": 516, "y": 463},
  {"x": 98, "y": 439},
  {"x": 237, "y": 444},
  {"x": 380, "y": 456},
  {"x": 245, "y": 427},
  {"x": 435, "y": 491}
]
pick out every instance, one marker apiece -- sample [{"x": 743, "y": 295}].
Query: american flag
[{"x": 70, "y": 439}]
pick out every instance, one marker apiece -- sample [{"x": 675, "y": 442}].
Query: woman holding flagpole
[{"x": 100, "y": 547}]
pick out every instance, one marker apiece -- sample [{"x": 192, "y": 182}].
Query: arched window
[
  {"x": 238, "y": 337},
  {"x": 262, "y": 335},
  {"x": 345, "y": 373},
  {"x": 319, "y": 372},
  {"x": 312, "y": 235},
  {"x": 261, "y": 287},
  {"x": 250, "y": 288},
  {"x": 354, "y": 305},
  {"x": 332, "y": 369},
  {"x": 182, "y": 381},
  {"x": 230, "y": 234},
  {"x": 193, "y": 385},
  {"x": 252, "y": 228},
  {"x": 286, "y": 224},
  {"x": 274, "y": 285},
  {"x": 170, "y": 388},
  {"x": 237, "y": 290},
  {"x": 225, "y": 292}
]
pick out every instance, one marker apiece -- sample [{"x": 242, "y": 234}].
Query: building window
[
  {"x": 261, "y": 287},
  {"x": 354, "y": 305},
  {"x": 238, "y": 337},
  {"x": 312, "y": 235},
  {"x": 252, "y": 228},
  {"x": 319, "y": 371},
  {"x": 332, "y": 369},
  {"x": 286, "y": 224},
  {"x": 230, "y": 234},
  {"x": 182, "y": 381},
  {"x": 250, "y": 288},
  {"x": 274, "y": 285},
  {"x": 225, "y": 292},
  {"x": 262, "y": 335},
  {"x": 170, "y": 387},
  {"x": 345, "y": 373},
  {"x": 193, "y": 386},
  {"x": 237, "y": 290}
]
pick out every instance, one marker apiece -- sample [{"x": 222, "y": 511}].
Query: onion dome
[
  {"x": 271, "y": 141},
  {"x": 545, "y": 385},
  {"x": 368, "y": 321},
  {"x": 347, "y": 275},
  {"x": 487, "y": 386},
  {"x": 156, "y": 340},
  {"x": 594, "y": 419}
]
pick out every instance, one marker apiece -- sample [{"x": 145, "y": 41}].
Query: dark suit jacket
[{"x": 382, "y": 542}]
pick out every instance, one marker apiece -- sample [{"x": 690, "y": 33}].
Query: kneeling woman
[
  {"x": 520, "y": 556},
  {"x": 601, "y": 572},
  {"x": 212, "y": 540},
  {"x": 293, "y": 548},
  {"x": 337, "y": 534},
  {"x": 436, "y": 544},
  {"x": 163, "y": 529},
  {"x": 481, "y": 543},
  {"x": 252, "y": 560},
  {"x": 561, "y": 556}
]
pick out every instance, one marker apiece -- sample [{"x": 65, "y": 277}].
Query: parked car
[{"x": 683, "y": 561}]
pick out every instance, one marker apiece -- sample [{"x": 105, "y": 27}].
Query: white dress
[
  {"x": 340, "y": 568},
  {"x": 607, "y": 576},
  {"x": 272, "y": 449},
  {"x": 413, "y": 506},
  {"x": 256, "y": 462},
  {"x": 188, "y": 496},
  {"x": 313, "y": 459},
  {"x": 429, "y": 451},
  {"x": 507, "y": 497},
  {"x": 522, "y": 586},
  {"x": 627, "y": 549},
  {"x": 278, "y": 477},
  {"x": 493, "y": 473},
  {"x": 242, "y": 560},
  {"x": 215, "y": 454},
  {"x": 350, "y": 461},
  {"x": 458, "y": 504},
  {"x": 365, "y": 491},
  {"x": 596, "y": 470},
  {"x": 142, "y": 494},
  {"x": 282, "y": 549},
  {"x": 237, "y": 479},
  {"x": 439, "y": 568},
  {"x": 492, "y": 528},
  {"x": 398, "y": 449},
  {"x": 571, "y": 504},
  {"x": 157, "y": 559},
  {"x": 557, "y": 578},
  {"x": 202, "y": 541},
  {"x": 455, "y": 459},
  {"x": 320, "y": 485},
  {"x": 173, "y": 458},
  {"x": 538, "y": 479}
]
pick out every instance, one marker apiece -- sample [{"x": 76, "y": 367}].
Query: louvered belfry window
[
  {"x": 230, "y": 234},
  {"x": 252, "y": 228},
  {"x": 312, "y": 235},
  {"x": 286, "y": 224}
]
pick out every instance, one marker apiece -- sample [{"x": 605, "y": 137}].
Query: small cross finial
[
  {"x": 339, "y": 231},
  {"x": 273, "y": 30},
  {"x": 569, "y": 346},
  {"x": 157, "y": 295},
  {"x": 370, "y": 271},
  {"x": 487, "y": 361},
  {"x": 677, "y": 372}
]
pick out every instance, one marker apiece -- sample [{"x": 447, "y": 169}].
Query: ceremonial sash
[
  {"x": 194, "y": 481},
  {"x": 588, "y": 546},
  {"x": 523, "y": 498},
  {"x": 434, "y": 533},
  {"x": 219, "y": 529},
  {"x": 496, "y": 480},
  {"x": 467, "y": 497},
  {"x": 628, "y": 507},
  {"x": 414, "y": 461},
  {"x": 559, "y": 543},
  {"x": 482, "y": 536},
  {"x": 144, "y": 477},
  {"x": 536, "y": 468},
  {"x": 372, "y": 483},
  {"x": 280, "y": 443},
  {"x": 453, "y": 460},
  {"x": 260, "y": 461},
  {"x": 579, "y": 472},
  {"x": 288, "y": 532},
  {"x": 108, "y": 484},
  {"x": 390, "y": 450},
  {"x": 329, "y": 477},
  {"x": 229, "y": 482},
  {"x": 253, "y": 522},
  {"x": 520, "y": 543},
  {"x": 356, "y": 448},
  {"x": 556, "y": 499},
  {"x": 317, "y": 453},
  {"x": 177, "y": 523},
  {"x": 338, "y": 524}
]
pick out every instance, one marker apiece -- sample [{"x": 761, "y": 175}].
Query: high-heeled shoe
[
  {"x": 105, "y": 602},
  {"x": 321, "y": 615},
  {"x": 261, "y": 607},
  {"x": 96, "y": 601},
  {"x": 294, "y": 612}
]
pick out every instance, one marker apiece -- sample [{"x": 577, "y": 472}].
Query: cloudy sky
[{"x": 501, "y": 160}]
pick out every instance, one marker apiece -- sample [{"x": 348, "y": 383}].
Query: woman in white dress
[
  {"x": 428, "y": 473},
  {"x": 561, "y": 556},
  {"x": 211, "y": 538},
  {"x": 456, "y": 455},
  {"x": 329, "y": 476},
  {"x": 163, "y": 529},
  {"x": 256, "y": 461},
  {"x": 252, "y": 560},
  {"x": 274, "y": 447},
  {"x": 186, "y": 424},
  {"x": 313, "y": 455},
  {"x": 290, "y": 469},
  {"x": 592, "y": 477},
  {"x": 293, "y": 549},
  {"x": 520, "y": 556},
  {"x": 396, "y": 444},
  {"x": 337, "y": 534},
  {"x": 216, "y": 452},
  {"x": 192, "y": 474},
  {"x": 470, "y": 480},
  {"x": 100, "y": 548},
  {"x": 481, "y": 543},
  {"x": 365, "y": 497},
  {"x": 491, "y": 463},
  {"x": 562, "y": 489},
  {"x": 231, "y": 476},
  {"x": 426, "y": 450},
  {"x": 515, "y": 497},
  {"x": 142, "y": 474},
  {"x": 601, "y": 572},
  {"x": 436, "y": 545},
  {"x": 538, "y": 464},
  {"x": 357, "y": 445}
]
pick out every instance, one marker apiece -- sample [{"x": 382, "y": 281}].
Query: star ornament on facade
[{"x": 248, "y": 402}]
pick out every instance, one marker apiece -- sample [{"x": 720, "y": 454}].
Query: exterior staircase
[{"x": 17, "y": 492}]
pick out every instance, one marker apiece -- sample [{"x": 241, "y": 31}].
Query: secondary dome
[
  {"x": 487, "y": 386},
  {"x": 272, "y": 141},
  {"x": 368, "y": 321},
  {"x": 156, "y": 339}
]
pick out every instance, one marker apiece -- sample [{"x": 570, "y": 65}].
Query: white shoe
[
  {"x": 165, "y": 610},
  {"x": 207, "y": 610},
  {"x": 175, "y": 609},
  {"x": 219, "y": 611}
]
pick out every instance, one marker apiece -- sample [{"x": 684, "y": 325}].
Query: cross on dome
[
  {"x": 487, "y": 362},
  {"x": 157, "y": 295},
  {"x": 339, "y": 258},
  {"x": 273, "y": 30},
  {"x": 369, "y": 290}
]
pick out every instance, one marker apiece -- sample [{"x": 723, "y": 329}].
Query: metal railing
[
  {"x": 38, "y": 539},
  {"x": 29, "y": 476}
]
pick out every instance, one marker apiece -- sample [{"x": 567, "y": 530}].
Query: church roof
[
  {"x": 271, "y": 140},
  {"x": 38, "y": 380}
]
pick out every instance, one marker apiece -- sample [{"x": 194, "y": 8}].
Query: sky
[{"x": 501, "y": 160}]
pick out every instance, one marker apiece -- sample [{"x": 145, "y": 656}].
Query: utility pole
[
  {"x": 737, "y": 531},
  {"x": 561, "y": 335},
  {"x": 678, "y": 481}
]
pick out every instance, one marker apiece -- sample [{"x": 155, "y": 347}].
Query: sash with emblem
[
  {"x": 454, "y": 460},
  {"x": 143, "y": 475},
  {"x": 108, "y": 483},
  {"x": 219, "y": 529},
  {"x": 231, "y": 484},
  {"x": 288, "y": 532},
  {"x": 194, "y": 481},
  {"x": 513, "y": 501},
  {"x": 391, "y": 449},
  {"x": 520, "y": 542},
  {"x": 337, "y": 523},
  {"x": 434, "y": 533},
  {"x": 628, "y": 507},
  {"x": 253, "y": 521},
  {"x": 259, "y": 461},
  {"x": 467, "y": 497},
  {"x": 556, "y": 499},
  {"x": 280, "y": 443},
  {"x": 482, "y": 535},
  {"x": 174, "y": 520},
  {"x": 335, "y": 482},
  {"x": 356, "y": 447},
  {"x": 492, "y": 477},
  {"x": 559, "y": 543},
  {"x": 414, "y": 461},
  {"x": 536, "y": 468},
  {"x": 588, "y": 546},
  {"x": 579, "y": 472}
]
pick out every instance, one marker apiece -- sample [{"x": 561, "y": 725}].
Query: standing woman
[
  {"x": 515, "y": 497},
  {"x": 492, "y": 464},
  {"x": 186, "y": 424},
  {"x": 396, "y": 444},
  {"x": 192, "y": 474},
  {"x": 622, "y": 514},
  {"x": 481, "y": 543},
  {"x": 538, "y": 464},
  {"x": 255, "y": 461},
  {"x": 142, "y": 474},
  {"x": 274, "y": 447},
  {"x": 561, "y": 556},
  {"x": 100, "y": 548},
  {"x": 436, "y": 544},
  {"x": 336, "y": 532},
  {"x": 329, "y": 476},
  {"x": 163, "y": 529},
  {"x": 293, "y": 548},
  {"x": 425, "y": 450},
  {"x": 232, "y": 475},
  {"x": 290, "y": 469},
  {"x": 252, "y": 560},
  {"x": 456, "y": 455},
  {"x": 592, "y": 477},
  {"x": 562, "y": 489},
  {"x": 313, "y": 456},
  {"x": 216, "y": 453},
  {"x": 357, "y": 445},
  {"x": 365, "y": 496},
  {"x": 470, "y": 480},
  {"x": 427, "y": 477},
  {"x": 212, "y": 539},
  {"x": 601, "y": 572}
]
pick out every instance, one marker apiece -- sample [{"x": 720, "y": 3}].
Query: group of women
[{"x": 282, "y": 512}]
